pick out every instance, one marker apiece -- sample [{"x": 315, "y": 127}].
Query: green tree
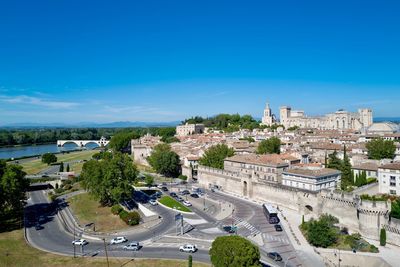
[
  {"x": 395, "y": 211},
  {"x": 380, "y": 149},
  {"x": 61, "y": 169},
  {"x": 320, "y": 233},
  {"x": 215, "y": 155},
  {"x": 334, "y": 162},
  {"x": 234, "y": 250},
  {"x": 183, "y": 177},
  {"x": 149, "y": 180},
  {"x": 164, "y": 161},
  {"x": 67, "y": 167},
  {"x": 122, "y": 139},
  {"x": 346, "y": 171},
  {"x": 382, "y": 237},
  {"x": 49, "y": 158},
  {"x": 269, "y": 146},
  {"x": 109, "y": 180},
  {"x": 13, "y": 187}
]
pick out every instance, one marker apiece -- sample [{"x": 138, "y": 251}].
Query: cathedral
[{"x": 339, "y": 120}]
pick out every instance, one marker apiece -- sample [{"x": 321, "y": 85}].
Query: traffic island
[{"x": 171, "y": 203}]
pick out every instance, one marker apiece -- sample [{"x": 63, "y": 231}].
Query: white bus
[{"x": 271, "y": 214}]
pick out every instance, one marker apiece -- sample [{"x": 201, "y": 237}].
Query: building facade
[
  {"x": 389, "y": 179},
  {"x": 268, "y": 118},
  {"x": 188, "y": 129},
  {"x": 311, "y": 178},
  {"x": 340, "y": 120}
]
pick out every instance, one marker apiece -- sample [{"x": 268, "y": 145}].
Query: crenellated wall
[{"x": 363, "y": 216}]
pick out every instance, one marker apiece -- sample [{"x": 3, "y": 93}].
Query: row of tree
[
  {"x": 110, "y": 179},
  {"x": 226, "y": 122},
  {"x": 344, "y": 166}
]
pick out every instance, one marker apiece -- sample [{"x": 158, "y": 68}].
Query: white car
[
  {"x": 153, "y": 202},
  {"x": 187, "y": 203},
  {"x": 118, "y": 240},
  {"x": 79, "y": 242},
  {"x": 132, "y": 246},
  {"x": 188, "y": 248}
]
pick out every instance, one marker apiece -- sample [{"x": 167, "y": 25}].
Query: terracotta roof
[
  {"x": 269, "y": 159},
  {"x": 366, "y": 166},
  {"x": 312, "y": 172},
  {"x": 391, "y": 166}
]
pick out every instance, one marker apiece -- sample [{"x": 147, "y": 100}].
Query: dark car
[
  {"x": 179, "y": 199},
  {"x": 275, "y": 256},
  {"x": 173, "y": 194},
  {"x": 194, "y": 195},
  {"x": 164, "y": 188},
  {"x": 229, "y": 229},
  {"x": 38, "y": 227},
  {"x": 278, "y": 228},
  {"x": 274, "y": 220}
]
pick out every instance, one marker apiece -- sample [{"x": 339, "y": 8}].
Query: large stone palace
[{"x": 339, "y": 120}]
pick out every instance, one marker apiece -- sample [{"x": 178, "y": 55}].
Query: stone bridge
[{"x": 81, "y": 143}]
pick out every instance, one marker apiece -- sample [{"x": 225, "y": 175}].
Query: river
[{"x": 25, "y": 151}]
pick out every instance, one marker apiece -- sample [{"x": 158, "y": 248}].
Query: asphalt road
[{"x": 53, "y": 237}]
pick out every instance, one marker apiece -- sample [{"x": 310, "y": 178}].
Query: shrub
[
  {"x": 190, "y": 261},
  {"x": 58, "y": 190},
  {"x": 116, "y": 209},
  {"x": 382, "y": 237},
  {"x": 130, "y": 218},
  {"x": 67, "y": 187}
]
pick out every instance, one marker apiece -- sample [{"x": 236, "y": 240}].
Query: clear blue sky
[{"x": 105, "y": 61}]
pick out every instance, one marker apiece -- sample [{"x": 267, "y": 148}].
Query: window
[
  {"x": 392, "y": 180},
  {"x": 393, "y": 192}
]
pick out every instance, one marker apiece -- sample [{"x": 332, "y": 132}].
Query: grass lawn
[
  {"x": 36, "y": 165},
  {"x": 172, "y": 203},
  {"x": 88, "y": 210},
  {"x": 15, "y": 252}
]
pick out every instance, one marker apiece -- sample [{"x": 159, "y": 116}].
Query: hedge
[{"x": 116, "y": 209}]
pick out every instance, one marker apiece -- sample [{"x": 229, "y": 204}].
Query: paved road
[{"x": 53, "y": 237}]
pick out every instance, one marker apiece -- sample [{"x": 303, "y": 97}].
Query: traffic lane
[{"x": 153, "y": 252}]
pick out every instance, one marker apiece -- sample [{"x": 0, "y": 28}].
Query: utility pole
[
  {"x": 105, "y": 249},
  {"x": 74, "y": 243}
]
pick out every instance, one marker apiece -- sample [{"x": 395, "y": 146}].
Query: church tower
[{"x": 268, "y": 118}]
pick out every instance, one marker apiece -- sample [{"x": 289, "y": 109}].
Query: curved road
[{"x": 55, "y": 238}]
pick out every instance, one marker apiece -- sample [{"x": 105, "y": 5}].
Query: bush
[
  {"x": 58, "y": 190},
  {"x": 116, "y": 209},
  {"x": 130, "y": 218},
  {"x": 67, "y": 187},
  {"x": 382, "y": 237}
]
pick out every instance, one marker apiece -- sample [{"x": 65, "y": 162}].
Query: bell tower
[{"x": 268, "y": 118}]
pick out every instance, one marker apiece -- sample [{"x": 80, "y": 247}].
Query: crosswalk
[
  {"x": 242, "y": 223},
  {"x": 273, "y": 238}
]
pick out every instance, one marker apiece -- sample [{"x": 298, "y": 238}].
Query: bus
[{"x": 271, "y": 214}]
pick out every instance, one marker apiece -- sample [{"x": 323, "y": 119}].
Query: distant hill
[{"x": 117, "y": 124}]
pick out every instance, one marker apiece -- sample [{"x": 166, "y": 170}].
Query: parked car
[
  {"x": 118, "y": 240},
  {"x": 274, "y": 220},
  {"x": 179, "y": 199},
  {"x": 164, "y": 188},
  {"x": 79, "y": 242},
  {"x": 38, "y": 227},
  {"x": 132, "y": 246},
  {"x": 153, "y": 202},
  {"x": 278, "y": 228},
  {"x": 194, "y": 195},
  {"x": 186, "y": 203},
  {"x": 184, "y": 192},
  {"x": 229, "y": 229},
  {"x": 173, "y": 194},
  {"x": 275, "y": 256},
  {"x": 188, "y": 248}
]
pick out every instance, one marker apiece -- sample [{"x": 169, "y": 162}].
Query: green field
[
  {"x": 87, "y": 210},
  {"x": 36, "y": 165},
  {"x": 172, "y": 203},
  {"x": 14, "y": 251}
]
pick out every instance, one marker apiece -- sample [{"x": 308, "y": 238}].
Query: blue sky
[{"x": 104, "y": 61}]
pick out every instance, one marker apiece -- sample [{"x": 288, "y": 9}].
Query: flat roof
[{"x": 313, "y": 173}]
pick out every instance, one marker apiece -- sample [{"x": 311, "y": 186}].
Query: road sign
[{"x": 178, "y": 217}]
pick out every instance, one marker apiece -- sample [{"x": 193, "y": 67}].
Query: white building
[
  {"x": 311, "y": 178},
  {"x": 340, "y": 120},
  {"x": 188, "y": 129},
  {"x": 389, "y": 179},
  {"x": 268, "y": 118}
]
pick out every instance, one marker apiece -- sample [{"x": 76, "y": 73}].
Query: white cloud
[{"x": 29, "y": 100}]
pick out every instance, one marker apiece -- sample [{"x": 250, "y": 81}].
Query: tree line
[
  {"x": 226, "y": 122},
  {"x": 12, "y": 137}
]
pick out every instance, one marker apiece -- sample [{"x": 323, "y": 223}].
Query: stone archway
[{"x": 245, "y": 188}]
